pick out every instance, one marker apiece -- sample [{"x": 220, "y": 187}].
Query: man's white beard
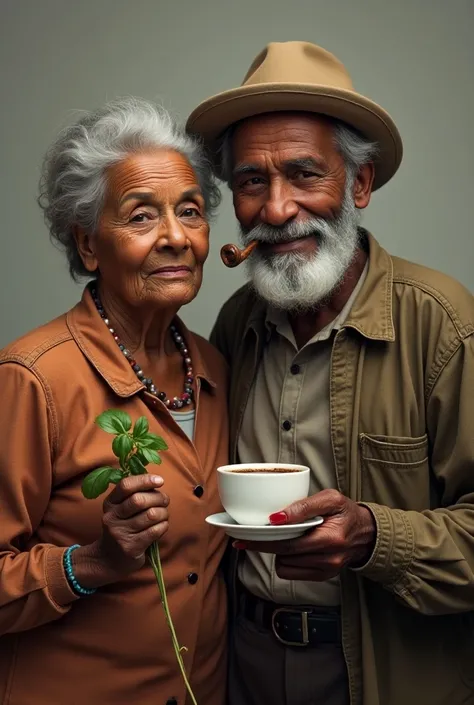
[{"x": 299, "y": 282}]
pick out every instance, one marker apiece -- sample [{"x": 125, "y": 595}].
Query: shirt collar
[
  {"x": 369, "y": 308},
  {"x": 277, "y": 319},
  {"x": 98, "y": 346}
]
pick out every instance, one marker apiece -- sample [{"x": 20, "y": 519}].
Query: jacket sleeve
[
  {"x": 427, "y": 558},
  {"x": 33, "y": 586},
  {"x": 218, "y": 337}
]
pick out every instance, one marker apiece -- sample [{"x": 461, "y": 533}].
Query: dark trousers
[{"x": 265, "y": 672}]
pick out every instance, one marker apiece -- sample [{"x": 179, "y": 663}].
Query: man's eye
[{"x": 301, "y": 175}]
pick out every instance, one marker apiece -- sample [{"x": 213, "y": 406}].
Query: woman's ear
[{"x": 85, "y": 247}]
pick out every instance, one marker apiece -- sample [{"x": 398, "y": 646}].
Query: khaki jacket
[
  {"x": 111, "y": 648},
  {"x": 402, "y": 428}
]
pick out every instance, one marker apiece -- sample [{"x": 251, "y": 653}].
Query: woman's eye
[
  {"x": 140, "y": 218},
  {"x": 190, "y": 213},
  {"x": 254, "y": 181}
]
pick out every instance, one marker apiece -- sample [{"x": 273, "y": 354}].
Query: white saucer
[{"x": 261, "y": 533}]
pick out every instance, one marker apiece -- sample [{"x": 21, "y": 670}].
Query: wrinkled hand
[
  {"x": 346, "y": 538},
  {"x": 135, "y": 515}
]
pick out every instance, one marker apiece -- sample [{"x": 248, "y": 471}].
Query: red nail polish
[
  {"x": 239, "y": 545},
  {"x": 278, "y": 518}
]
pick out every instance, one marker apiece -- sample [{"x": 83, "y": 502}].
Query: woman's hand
[{"x": 135, "y": 515}]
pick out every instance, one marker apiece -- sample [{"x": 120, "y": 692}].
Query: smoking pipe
[{"x": 232, "y": 256}]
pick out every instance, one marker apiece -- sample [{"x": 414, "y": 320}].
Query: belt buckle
[{"x": 304, "y": 627}]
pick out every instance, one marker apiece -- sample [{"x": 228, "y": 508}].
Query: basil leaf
[
  {"x": 121, "y": 446},
  {"x": 151, "y": 456},
  {"x": 114, "y": 421},
  {"x": 116, "y": 476},
  {"x": 137, "y": 467},
  {"x": 97, "y": 481},
  {"x": 154, "y": 442},
  {"x": 141, "y": 427}
]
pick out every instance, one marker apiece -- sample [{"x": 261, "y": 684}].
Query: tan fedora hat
[{"x": 299, "y": 76}]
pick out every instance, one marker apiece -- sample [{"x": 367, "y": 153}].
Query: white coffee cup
[{"x": 250, "y": 497}]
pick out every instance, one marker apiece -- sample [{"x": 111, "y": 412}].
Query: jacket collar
[
  {"x": 371, "y": 312},
  {"x": 96, "y": 343}
]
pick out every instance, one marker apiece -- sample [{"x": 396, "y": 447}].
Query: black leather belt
[{"x": 293, "y": 626}]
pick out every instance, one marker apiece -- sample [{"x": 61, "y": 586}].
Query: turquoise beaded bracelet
[{"x": 71, "y": 578}]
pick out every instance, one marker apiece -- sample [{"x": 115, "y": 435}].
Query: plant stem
[{"x": 154, "y": 555}]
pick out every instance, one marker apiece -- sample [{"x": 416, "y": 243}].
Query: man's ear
[
  {"x": 363, "y": 185},
  {"x": 85, "y": 247}
]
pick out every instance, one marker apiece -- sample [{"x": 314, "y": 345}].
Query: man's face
[{"x": 292, "y": 192}]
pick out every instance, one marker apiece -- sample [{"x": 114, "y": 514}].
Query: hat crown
[{"x": 299, "y": 63}]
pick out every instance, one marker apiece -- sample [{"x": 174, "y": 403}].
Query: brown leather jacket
[
  {"x": 112, "y": 648},
  {"x": 402, "y": 411}
]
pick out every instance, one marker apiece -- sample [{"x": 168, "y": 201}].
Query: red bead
[
  {"x": 131, "y": 361},
  {"x": 185, "y": 396}
]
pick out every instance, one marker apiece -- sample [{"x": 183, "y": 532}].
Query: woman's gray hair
[
  {"x": 73, "y": 177},
  {"x": 355, "y": 149}
]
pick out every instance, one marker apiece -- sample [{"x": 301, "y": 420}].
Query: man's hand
[{"x": 346, "y": 538}]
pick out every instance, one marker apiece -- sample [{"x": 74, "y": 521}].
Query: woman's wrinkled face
[{"x": 153, "y": 237}]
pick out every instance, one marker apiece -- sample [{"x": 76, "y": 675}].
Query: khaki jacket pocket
[{"x": 395, "y": 471}]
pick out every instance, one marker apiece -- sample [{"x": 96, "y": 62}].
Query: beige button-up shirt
[{"x": 287, "y": 421}]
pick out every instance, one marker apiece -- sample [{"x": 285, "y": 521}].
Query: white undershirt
[{"x": 185, "y": 420}]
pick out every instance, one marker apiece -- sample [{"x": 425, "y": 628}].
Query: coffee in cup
[{"x": 251, "y": 492}]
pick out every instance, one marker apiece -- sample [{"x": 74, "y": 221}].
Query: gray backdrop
[{"x": 414, "y": 57}]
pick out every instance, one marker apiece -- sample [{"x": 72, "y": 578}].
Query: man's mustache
[{"x": 272, "y": 235}]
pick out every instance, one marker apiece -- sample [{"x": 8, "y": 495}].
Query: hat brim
[{"x": 210, "y": 119}]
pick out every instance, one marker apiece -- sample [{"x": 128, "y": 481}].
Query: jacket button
[
  {"x": 193, "y": 578},
  {"x": 171, "y": 701},
  {"x": 295, "y": 369},
  {"x": 199, "y": 491},
  {"x": 286, "y": 425}
]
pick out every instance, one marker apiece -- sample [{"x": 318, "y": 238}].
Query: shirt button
[
  {"x": 295, "y": 369},
  {"x": 171, "y": 701},
  {"x": 199, "y": 491},
  {"x": 286, "y": 425},
  {"x": 193, "y": 578}
]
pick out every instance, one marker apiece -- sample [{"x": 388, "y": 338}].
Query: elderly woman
[{"x": 128, "y": 196}]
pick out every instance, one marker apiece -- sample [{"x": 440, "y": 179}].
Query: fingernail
[
  {"x": 278, "y": 518},
  {"x": 157, "y": 480},
  {"x": 239, "y": 545}
]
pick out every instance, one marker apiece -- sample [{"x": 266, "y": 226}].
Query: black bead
[
  {"x": 193, "y": 578},
  {"x": 162, "y": 396},
  {"x": 199, "y": 491}
]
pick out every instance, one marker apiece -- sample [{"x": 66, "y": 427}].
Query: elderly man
[{"x": 361, "y": 366}]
